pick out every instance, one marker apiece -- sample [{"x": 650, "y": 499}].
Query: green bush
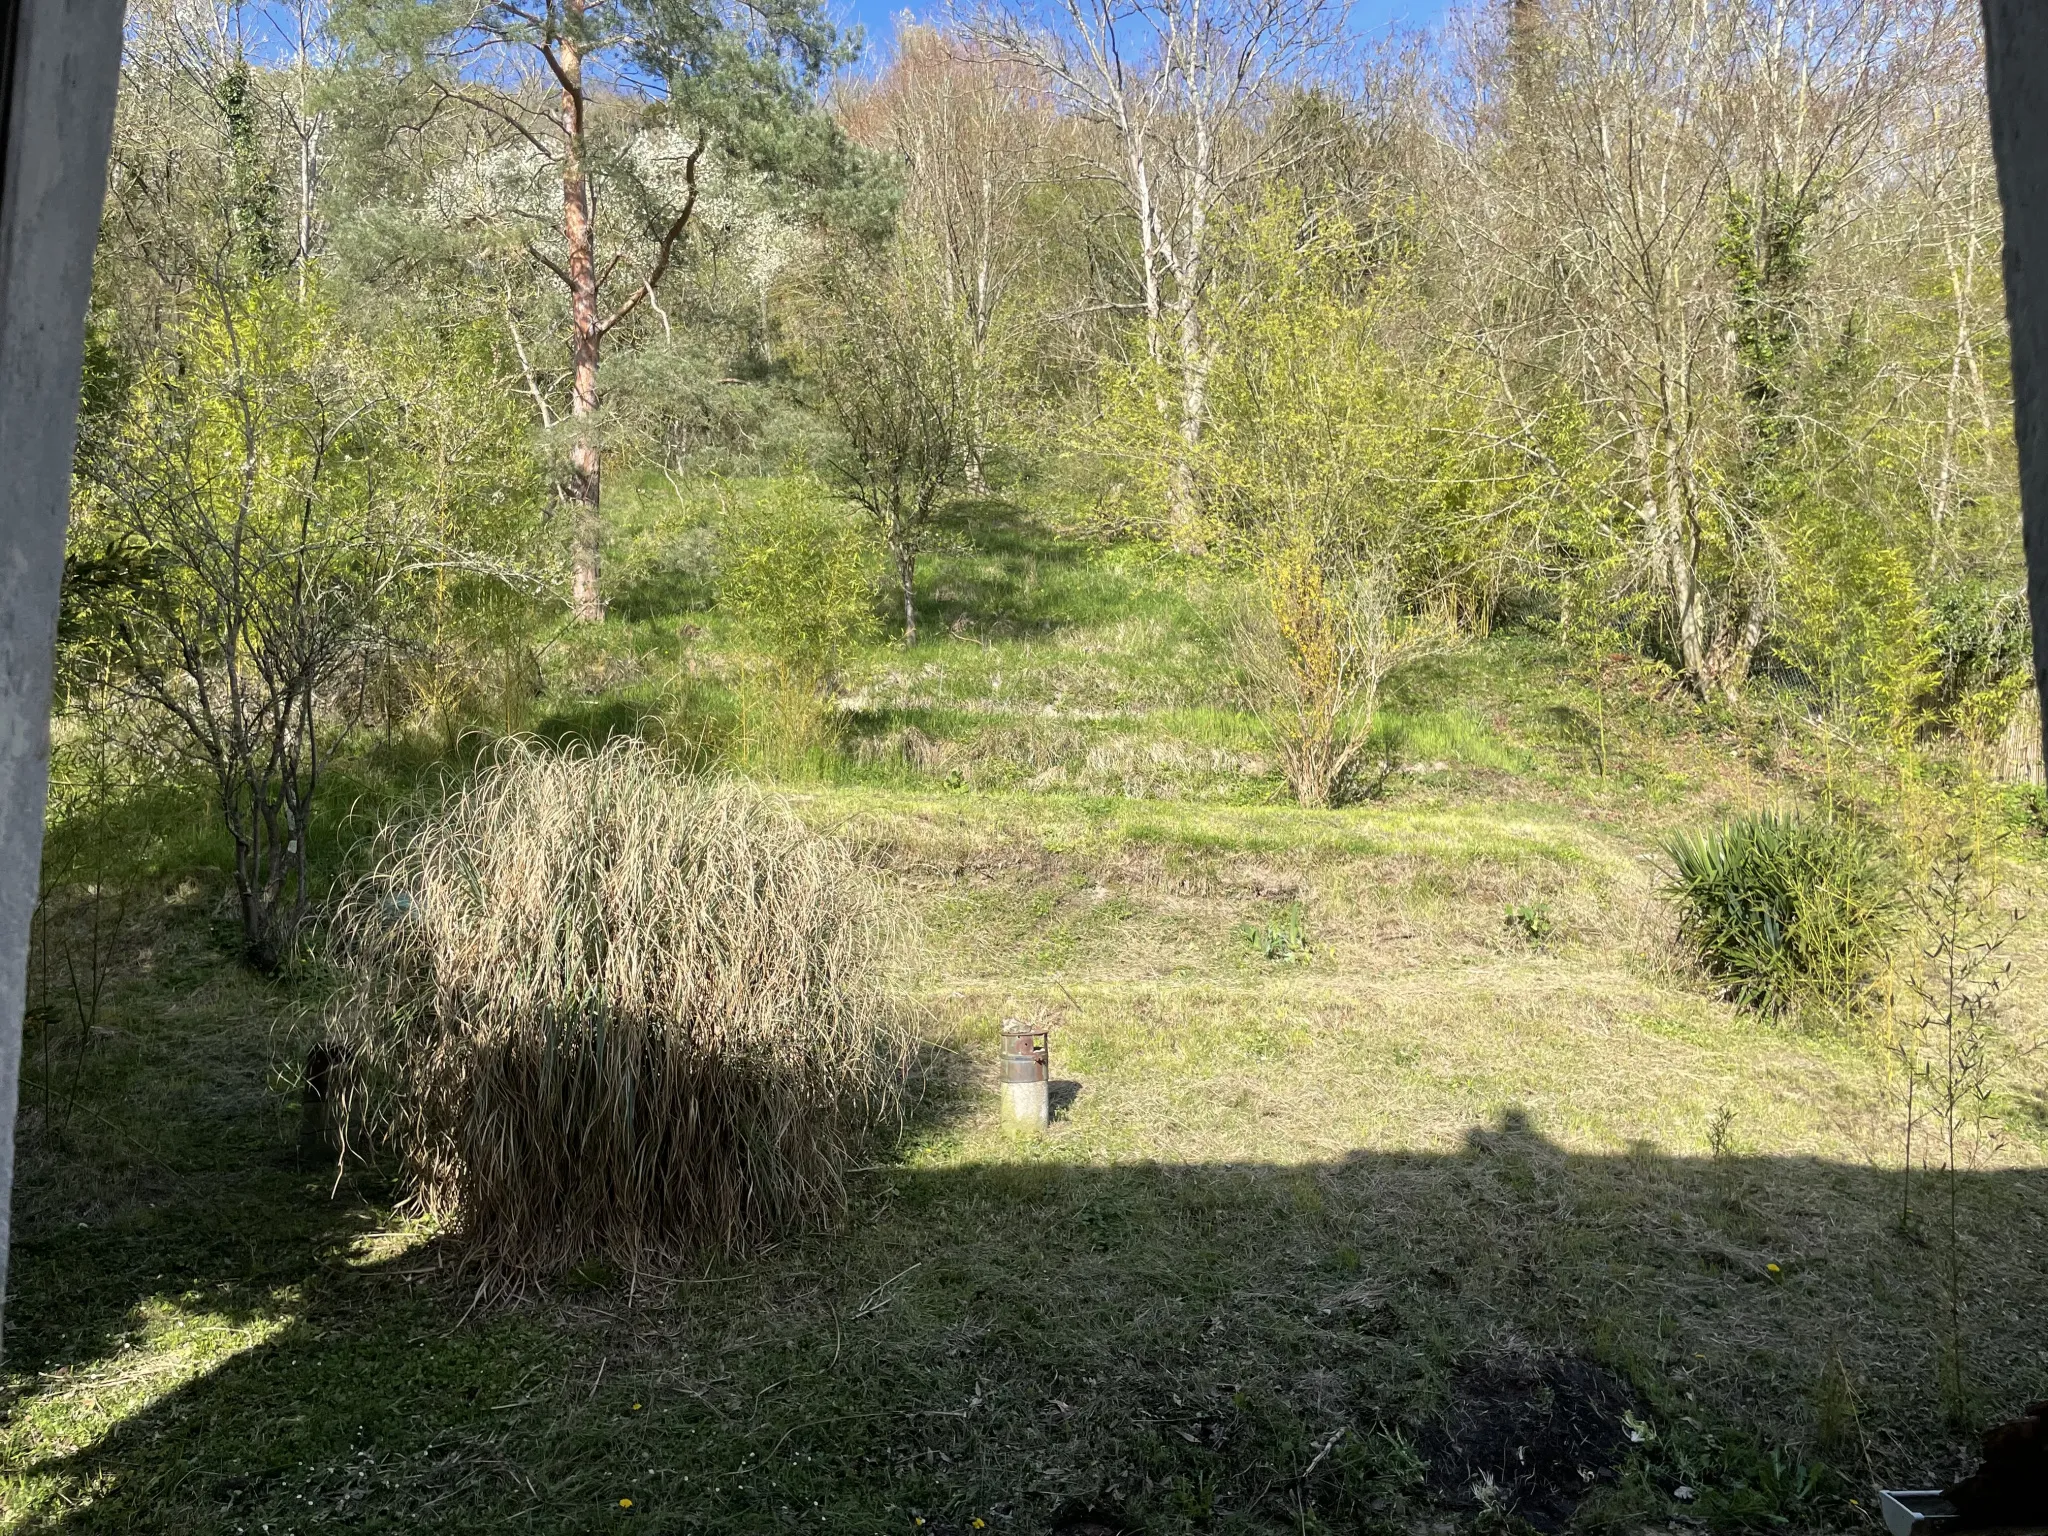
[
  {"x": 798, "y": 576},
  {"x": 1783, "y": 906}
]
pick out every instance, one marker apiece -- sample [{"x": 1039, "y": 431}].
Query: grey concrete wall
[
  {"x": 64, "y": 59},
  {"x": 2016, "y": 48}
]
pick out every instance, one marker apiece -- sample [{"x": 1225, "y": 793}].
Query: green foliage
[
  {"x": 1284, "y": 938},
  {"x": 1782, "y": 906},
  {"x": 1336, "y": 424},
  {"x": 1984, "y": 652},
  {"x": 1982, "y": 636},
  {"x": 747, "y": 75},
  {"x": 1856, "y": 623},
  {"x": 275, "y": 505},
  {"x": 236, "y": 494},
  {"x": 1531, "y": 921},
  {"x": 1952, "y": 1056},
  {"x": 685, "y": 404},
  {"x": 460, "y": 466},
  {"x": 253, "y": 220},
  {"x": 1759, "y": 1486},
  {"x": 1764, "y": 254},
  {"x": 798, "y": 576},
  {"x": 1315, "y": 647},
  {"x": 1359, "y": 504},
  {"x": 891, "y": 357}
]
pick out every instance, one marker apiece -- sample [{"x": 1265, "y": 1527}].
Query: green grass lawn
[{"x": 1306, "y": 1224}]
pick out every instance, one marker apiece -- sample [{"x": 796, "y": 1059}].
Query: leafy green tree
[
  {"x": 1336, "y": 422},
  {"x": 1653, "y": 228},
  {"x": 798, "y": 576},
  {"x": 1316, "y": 640},
  {"x": 974, "y": 135},
  {"x": 275, "y": 511},
  {"x": 466, "y": 487},
  {"x": 238, "y": 474},
  {"x": 1349, "y": 478},
  {"x": 895, "y": 365},
  {"x": 1856, "y": 621}
]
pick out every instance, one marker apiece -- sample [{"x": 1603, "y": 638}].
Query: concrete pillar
[
  {"x": 2016, "y": 63},
  {"x": 58, "y": 63}
]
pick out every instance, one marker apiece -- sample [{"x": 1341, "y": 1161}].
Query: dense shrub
[
  {"x": 1783, "y": 906},
  {"x": 798, "y": 576},
  {"x": 595, "y": 1008},
  {"x": 1981, "y": 638}
]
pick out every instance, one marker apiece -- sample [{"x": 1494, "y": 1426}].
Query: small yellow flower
[
  {"x": 636, "y": 1407},
  {"x": 625, "y": 1503},
  {"x": 979, "y": 1522},
  {"x": 1772, "y": 1268}
]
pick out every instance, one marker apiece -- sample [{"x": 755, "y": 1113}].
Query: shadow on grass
[
  {"x": 662, "y": 592},
  {"x": 1000, "y": 571},
  {"x": 1337, "y": 1346},
  {"x": 594, "y": 723}
]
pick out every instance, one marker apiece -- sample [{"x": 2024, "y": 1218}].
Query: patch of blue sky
[
  {"x": 270, "y": 28},
  {"x": 1370, "y": 20}
]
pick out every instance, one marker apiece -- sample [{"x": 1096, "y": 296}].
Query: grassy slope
[{"x": 1284, "y": 1200}]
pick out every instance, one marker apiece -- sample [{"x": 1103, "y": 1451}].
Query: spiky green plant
[
  {"x": 599, "y": 1009},
  {"x": 1781, "y": 906}
]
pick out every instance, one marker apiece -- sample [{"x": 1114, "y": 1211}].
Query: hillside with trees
[{"x": 1443, "y": 611}]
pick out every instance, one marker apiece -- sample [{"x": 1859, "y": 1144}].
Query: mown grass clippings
[{"x": 1232, "y": 1288}]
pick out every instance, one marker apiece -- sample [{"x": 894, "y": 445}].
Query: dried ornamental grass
[{"x": 597, "y": 1008}]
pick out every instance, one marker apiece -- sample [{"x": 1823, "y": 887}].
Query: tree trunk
[
  {"x": 578, "y": 226},
  {"x": 1672, "y": 563},
  {"x": 906, "y": 578},
  {"x": 1194, "y": 411},
  {"x": 1716, "y": 642},
  {"x": 1734, "y": 646}
]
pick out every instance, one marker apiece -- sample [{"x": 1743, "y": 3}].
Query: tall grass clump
[
  {"x": 1783, "y": 907},
  {"x": 597, "y": 1009}
]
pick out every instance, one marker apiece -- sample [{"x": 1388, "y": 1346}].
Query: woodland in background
[{"x": 1680, "y": 326}]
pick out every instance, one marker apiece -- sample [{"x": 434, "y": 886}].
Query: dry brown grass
[{"x": 598, "y": 1009}]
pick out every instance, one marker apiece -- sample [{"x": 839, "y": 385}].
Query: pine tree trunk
[{"x": 578, "y": 227}]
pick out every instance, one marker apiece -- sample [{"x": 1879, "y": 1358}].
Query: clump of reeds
[{"x": 599, "y": 1009}]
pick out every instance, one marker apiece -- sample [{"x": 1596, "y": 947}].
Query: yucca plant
[
  {"x": 1780, "y": 906},
  {"x": 596, "y": 1009}
]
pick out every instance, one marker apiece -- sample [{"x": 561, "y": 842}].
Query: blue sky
[{"x": 1369, "y": 18}]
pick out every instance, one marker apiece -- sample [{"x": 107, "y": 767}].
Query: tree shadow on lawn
[{"x": 1351, "y": 1345}]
